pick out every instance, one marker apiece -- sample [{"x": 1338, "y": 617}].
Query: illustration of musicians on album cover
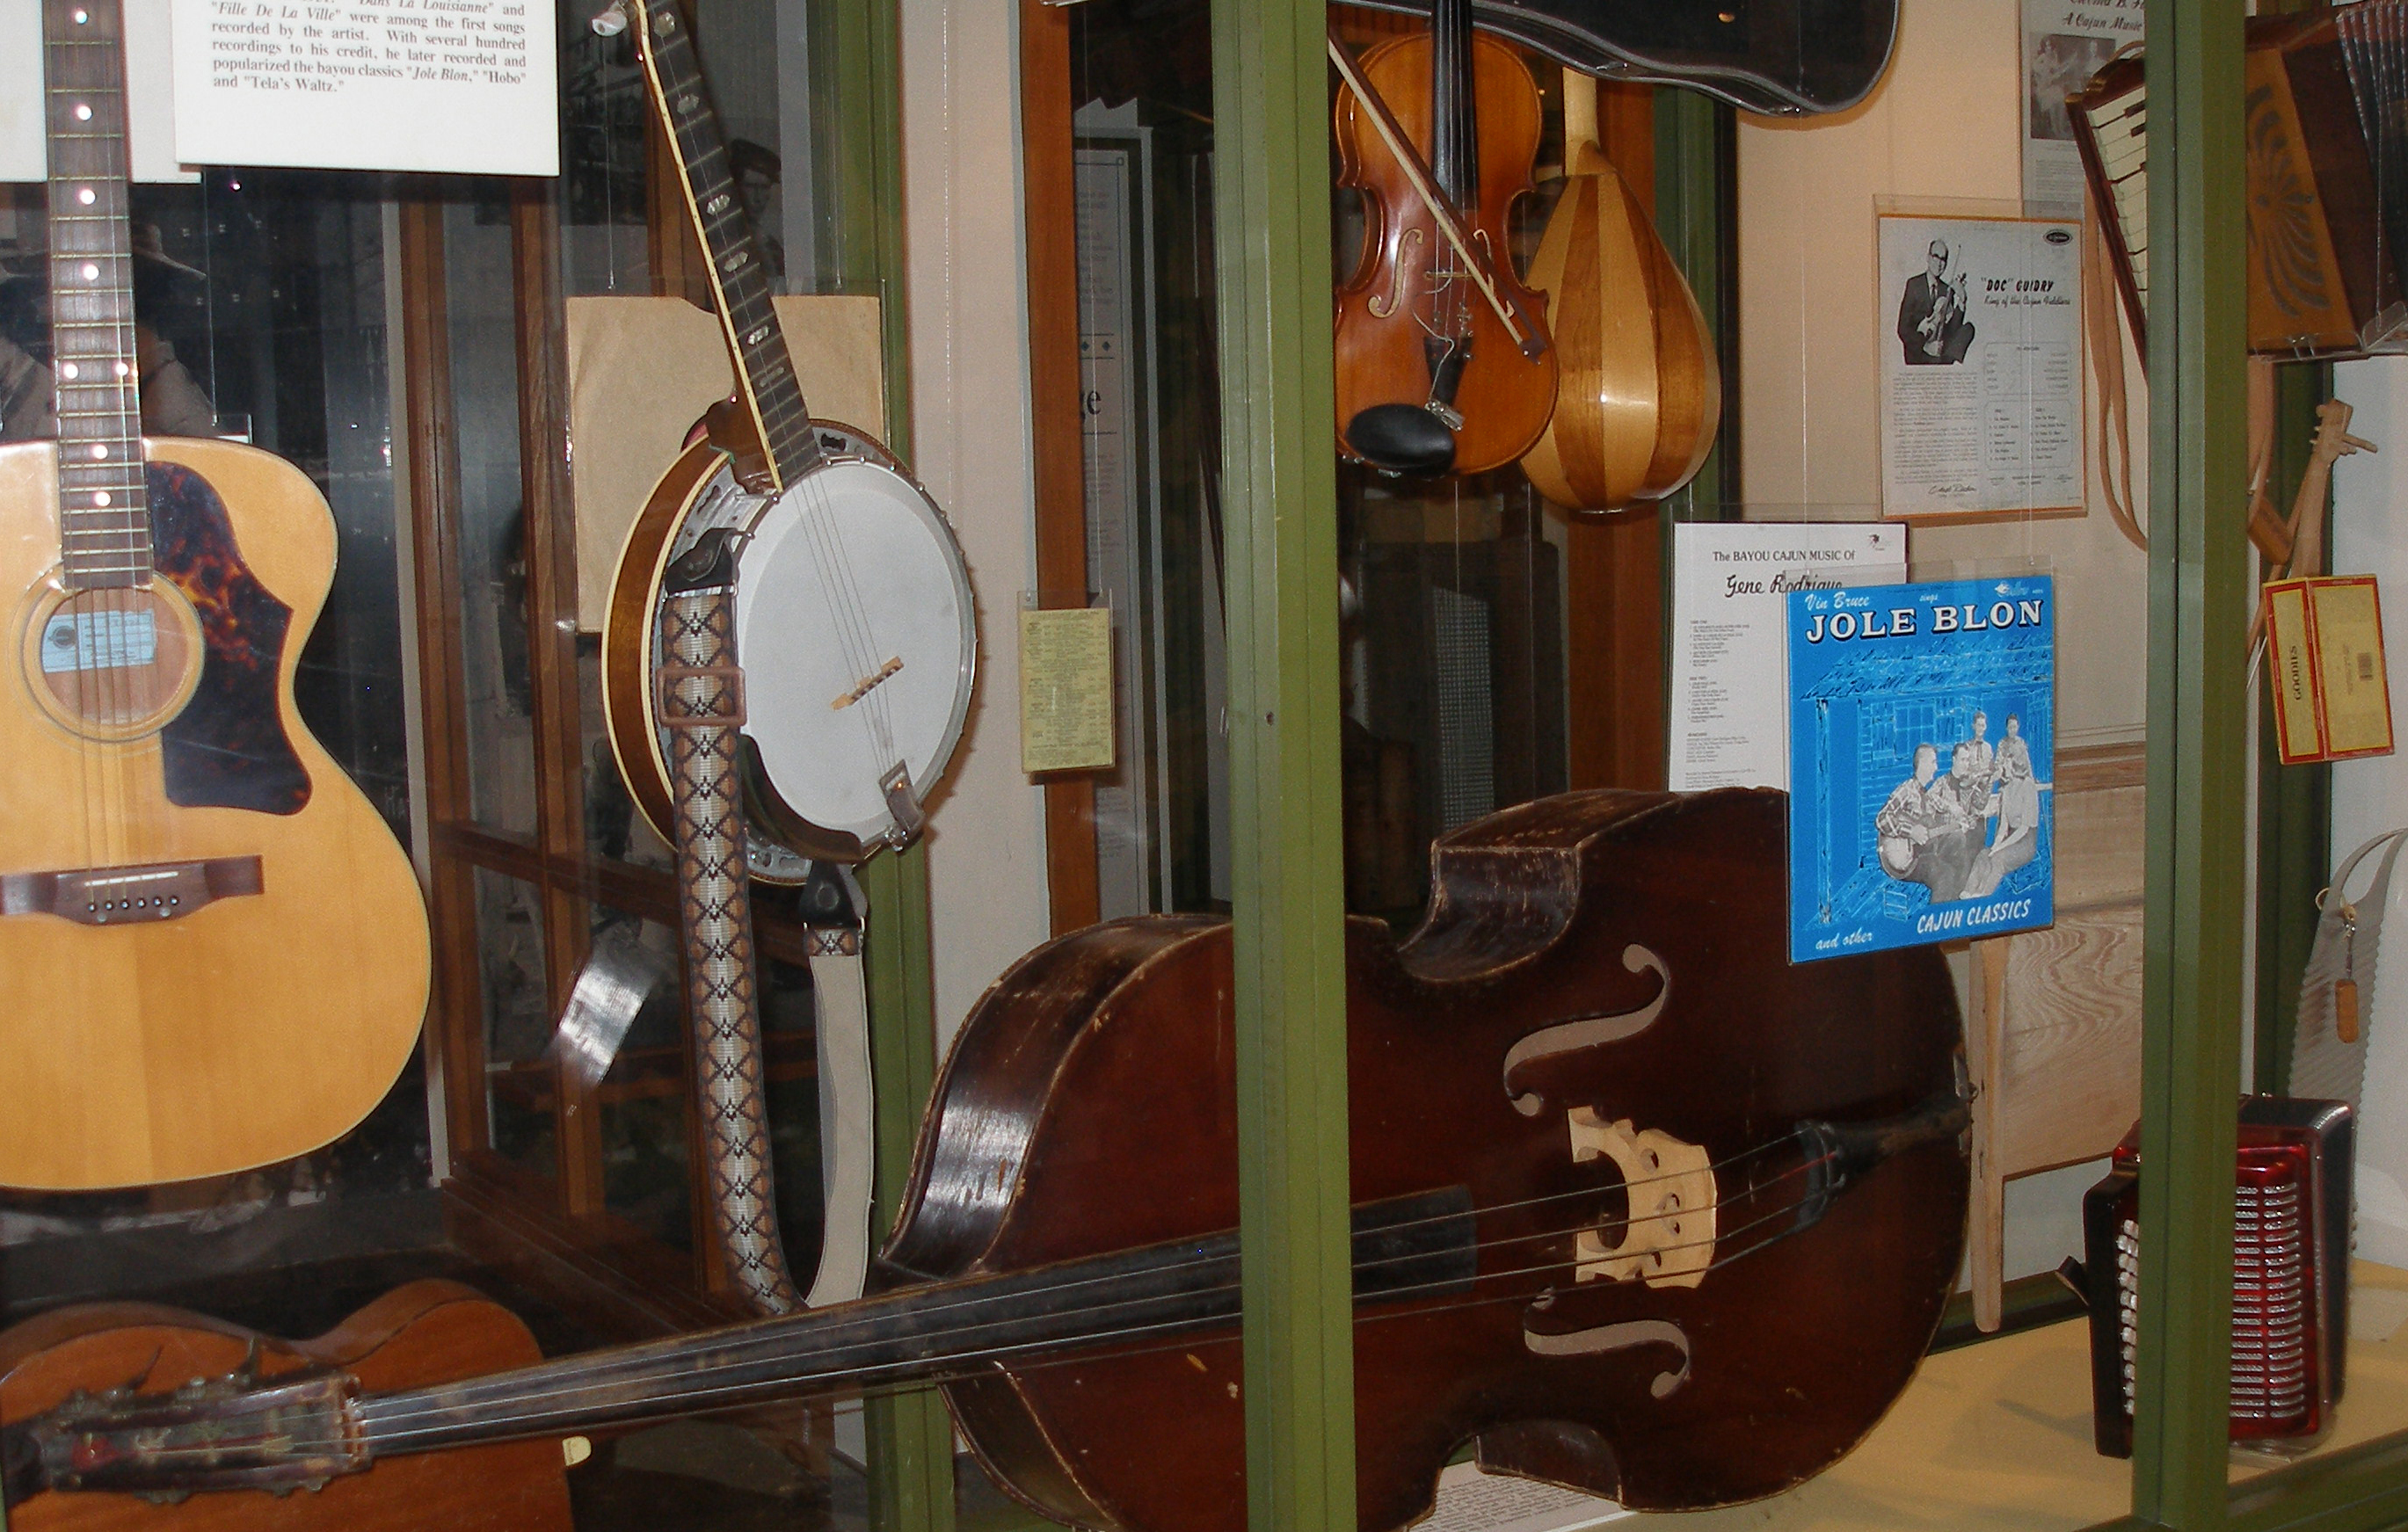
[{"x": 1921, "y": 748}]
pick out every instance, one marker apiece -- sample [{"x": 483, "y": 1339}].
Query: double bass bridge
[{"x": 1667, "y": 1237}]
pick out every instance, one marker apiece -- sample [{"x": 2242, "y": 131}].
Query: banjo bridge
[{"x": 868, "y": 685}]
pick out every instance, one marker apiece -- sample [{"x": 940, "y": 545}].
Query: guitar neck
[
  {"x": 104, "y": 514},
  {"x": 764, "y": 374},
  {"x": 1420, "y": 1246}
]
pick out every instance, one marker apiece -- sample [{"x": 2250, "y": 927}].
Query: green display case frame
[{"x": 1272, "y": 108}]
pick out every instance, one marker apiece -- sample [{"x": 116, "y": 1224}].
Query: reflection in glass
[
  {"x": 497, "y": 689},
  {"x": 520, "y": 1096}
]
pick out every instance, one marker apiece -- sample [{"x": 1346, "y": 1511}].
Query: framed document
[{"x": 1979, "y": 329}]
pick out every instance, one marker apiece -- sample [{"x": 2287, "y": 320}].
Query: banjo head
[{"x": 859, "y": 642}]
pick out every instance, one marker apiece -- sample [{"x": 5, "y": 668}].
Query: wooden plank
[
  {"x": 1270, "y": 113},
  {"x": 2198, "y": 720},
  {"x": 2068, "y": 1084},
  {"x": 455, "y": 1016},
  {"x": 1048, "y": 170}
]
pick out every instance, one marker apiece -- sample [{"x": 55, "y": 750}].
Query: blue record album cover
[{"x": 1921, "y": 738}]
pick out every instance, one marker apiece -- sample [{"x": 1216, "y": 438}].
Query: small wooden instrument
[
  {"x": 2323, "y": 228},
  {"x": 1640, "y": 1208},
  {"x": 1783, "y": 58},
  {"x": 103, "y": 1357},
  {"x": 1641, "y": 393},
  {"x": 215, "y": 952},
  {"x": 1434, "y": 375},
  {"x": 2296, "y": 546},
  {"x": 854, "y": 610}
]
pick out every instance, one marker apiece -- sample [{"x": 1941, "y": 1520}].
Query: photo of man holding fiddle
[{"x": 1931, "y": 315}]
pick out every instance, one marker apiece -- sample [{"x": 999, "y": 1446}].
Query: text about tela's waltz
[{"x": 267, "y": 45}]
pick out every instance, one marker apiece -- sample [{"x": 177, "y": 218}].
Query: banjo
[{"x": 854, "y": 615}]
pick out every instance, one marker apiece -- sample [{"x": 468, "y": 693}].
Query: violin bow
[{"x": 1525, "y": 334}]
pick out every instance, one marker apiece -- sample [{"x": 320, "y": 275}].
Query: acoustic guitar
[
  {"x": 1639, "y": 1207},
  {"x": 214, "y": 949}
]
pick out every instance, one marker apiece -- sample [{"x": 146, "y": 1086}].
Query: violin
[
  {"x": 1443, "y": 364},
  {"x": 1639, "y": 1208}
]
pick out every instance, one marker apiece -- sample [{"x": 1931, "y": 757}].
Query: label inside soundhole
[
  {"x": 114, "y": 663},
  {"x": 99, "y": 640}
]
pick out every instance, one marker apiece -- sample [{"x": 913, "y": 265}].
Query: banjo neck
[{"x": 764, "y": 374}]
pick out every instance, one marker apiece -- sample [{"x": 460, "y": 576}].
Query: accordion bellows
[
  {"x": 2326, "y": 152},
  {"x": 2290, "y": 1275}
]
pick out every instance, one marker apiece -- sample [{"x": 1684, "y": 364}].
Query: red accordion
[{"x": 2290, "y": 1274}]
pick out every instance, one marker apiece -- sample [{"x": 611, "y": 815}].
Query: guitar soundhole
[{"x": 113, "y": 664}]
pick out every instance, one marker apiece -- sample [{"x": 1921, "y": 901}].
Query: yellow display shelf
[{"x": 1997, "y": 1437}]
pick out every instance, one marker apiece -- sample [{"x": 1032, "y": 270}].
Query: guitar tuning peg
[{"x": 612, "y": 20}]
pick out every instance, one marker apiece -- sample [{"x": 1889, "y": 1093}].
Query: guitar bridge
[{"x": 142, "y": 895}]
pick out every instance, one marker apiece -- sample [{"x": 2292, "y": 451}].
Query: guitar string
[
  {"x": 387, "y": 1440},
  {"x": 819, "y": 520},
  {"x": 86, "y": 609},
  {"x": 855, "y": 639},
  {"x": 398, "y": 1424}
]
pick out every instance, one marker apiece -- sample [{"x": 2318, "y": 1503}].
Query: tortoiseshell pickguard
[{"x": 227, "y": 749}]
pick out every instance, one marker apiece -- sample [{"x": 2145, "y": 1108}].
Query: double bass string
[
  {"x": 400, "y": 1427},
  {"x": 1177, "y": 1333}
]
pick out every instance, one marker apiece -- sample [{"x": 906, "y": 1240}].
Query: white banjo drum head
[{"x": 859, "y": 642}]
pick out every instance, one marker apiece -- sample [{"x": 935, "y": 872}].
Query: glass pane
[
  {"x": 1142, "y": 171},
  {"x": 497, "y": 685},
  {"x": 613, "y": 827},
  {"x": 645, "y": 1098},
  {"x": 521, "y": 1097}
]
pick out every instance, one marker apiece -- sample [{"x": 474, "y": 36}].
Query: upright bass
[{"x": 1639, "y": 1208}]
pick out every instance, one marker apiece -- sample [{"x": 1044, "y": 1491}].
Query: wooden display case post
[
  {"x": 1271, "y": 114},
  {"x": 2198, "y": 703}
]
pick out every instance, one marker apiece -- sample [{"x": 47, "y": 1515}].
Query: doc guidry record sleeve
[{"x": 1922, "y": 738}]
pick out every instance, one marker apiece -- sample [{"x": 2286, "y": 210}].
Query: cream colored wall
[
  {"x": 970, "y": 418},
  {"x": 1943, "y": 124}
]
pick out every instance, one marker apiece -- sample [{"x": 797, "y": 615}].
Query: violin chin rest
[{"x": 1402, "y": 438}]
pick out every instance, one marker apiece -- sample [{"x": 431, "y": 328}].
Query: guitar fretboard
[
  {"x": 763, "y": 369},
  {"x": 104, "y": 517}
]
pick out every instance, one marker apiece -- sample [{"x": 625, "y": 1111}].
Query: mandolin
[
  {"x": 1639, "y": 1208},
  {"x": 215, "y": 950},
  {"x": 1442, "y": 363},
  {"x": 1641, "y": 393},
  {"x": 852, "y": 607}
]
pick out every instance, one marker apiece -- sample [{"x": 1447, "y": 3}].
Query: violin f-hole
[{"x": 1407, "y": 246}]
